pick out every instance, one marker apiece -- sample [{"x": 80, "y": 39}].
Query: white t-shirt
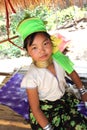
[{"x": 49, "y": 87}]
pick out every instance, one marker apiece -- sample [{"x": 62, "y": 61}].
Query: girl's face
[{"x": 41, "y": 48}]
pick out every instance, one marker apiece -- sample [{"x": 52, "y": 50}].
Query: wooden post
[{"x": 81, "y": 3}]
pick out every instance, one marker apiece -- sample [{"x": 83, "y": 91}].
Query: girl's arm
[
  {"x": 76, "y": 79},
  {"x": 35, "y": 107}
]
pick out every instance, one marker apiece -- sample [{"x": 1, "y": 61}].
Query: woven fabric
[{"x": 15, "y": 97}]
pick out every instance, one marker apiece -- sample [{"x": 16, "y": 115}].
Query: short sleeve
[{"x": 30, "y": 79}]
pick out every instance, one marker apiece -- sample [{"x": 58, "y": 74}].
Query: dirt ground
[
  {"x": 78, "y": 44},
  {"x": 10, "y": 120}
]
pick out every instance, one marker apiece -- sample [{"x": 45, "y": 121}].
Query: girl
[{"x": 51, "y": 107}]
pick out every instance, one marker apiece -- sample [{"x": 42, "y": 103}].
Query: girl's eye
[
  {"x": 33, "y": 48},
  {"x": 47, "y": 42}
]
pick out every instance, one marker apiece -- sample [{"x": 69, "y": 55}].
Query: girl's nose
[{"x": 41, "y": 49}]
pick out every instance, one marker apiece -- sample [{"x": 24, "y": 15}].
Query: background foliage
[{"x": 53, "y": 18}]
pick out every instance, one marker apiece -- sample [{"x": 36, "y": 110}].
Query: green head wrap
[{"x": 29, "y": 26}]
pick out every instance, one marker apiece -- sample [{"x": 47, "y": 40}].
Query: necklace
[{"x": 43, "y": 64}]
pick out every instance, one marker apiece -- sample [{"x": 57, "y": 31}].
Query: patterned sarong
[{"x": 62, "y": 114}]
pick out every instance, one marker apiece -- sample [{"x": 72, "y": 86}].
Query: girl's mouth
[{"x": 43, "y": 57}]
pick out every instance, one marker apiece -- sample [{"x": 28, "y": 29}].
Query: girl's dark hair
[{"x": 30, "y": 38}]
